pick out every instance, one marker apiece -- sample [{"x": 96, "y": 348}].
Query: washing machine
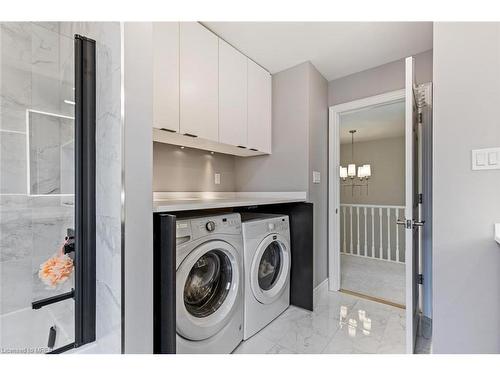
[
  {"x": 267, "y": 261},
  {"x": 209, "y": 284}
]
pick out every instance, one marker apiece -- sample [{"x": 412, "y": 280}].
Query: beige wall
[
  {"x": 318, "y": 161},
  {"x": 387, "y": 184},
  {"x": 466, "y": 203},
  {"x": 378, "y": 80},
  {"x": 287, "y": 168},
  {"x": 176, "y": 169},
  {"x": 299, "y": 140}
]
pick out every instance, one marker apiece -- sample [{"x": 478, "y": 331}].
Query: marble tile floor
[
  {"x": 340, "y": 324},
  {"x": 373, "y": 277}
]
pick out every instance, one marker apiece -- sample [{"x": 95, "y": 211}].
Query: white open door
[{"x": 411, "y": 221}]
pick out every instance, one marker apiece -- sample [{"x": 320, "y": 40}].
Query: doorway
[
  {"x": 405, "y": 221},
  {"x": 372, "y": 198}
]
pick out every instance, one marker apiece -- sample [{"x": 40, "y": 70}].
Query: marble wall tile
[
  {"x": 16, "y": 44},
  {"x": 108, "y": 179},
  {"x": 66, "y": 74},
  {"x": 52, "y": 26},
  {"x": 108, "y": 311},
  {"x": 15, "y": 97},
  {"x": 16, "y": 285},
  {"x": 12, "y": 163},
  {"x": 41, "y": 61},
  {"x": 51, "y": 154},
  {"x": 15, "y": 70},
  {"x": 45, "y": 79},
  {"x": 45, "y": 154},
  {"x": 15, "y": 234}
]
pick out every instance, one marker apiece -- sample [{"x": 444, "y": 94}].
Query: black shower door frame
[
  {"x": 84, "y": 293},
  {"x": 85, "y": 191}
]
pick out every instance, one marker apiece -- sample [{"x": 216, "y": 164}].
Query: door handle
[{"x": 403, "y": 222}]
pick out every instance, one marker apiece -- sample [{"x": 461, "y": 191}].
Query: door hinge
[
  {"x": 420, "y": 118},
  {"x": 420, "y": 198},
  {"x": 420, "y": 279}
]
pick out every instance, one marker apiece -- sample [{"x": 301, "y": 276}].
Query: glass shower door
[{"x": 37, "y": 187}]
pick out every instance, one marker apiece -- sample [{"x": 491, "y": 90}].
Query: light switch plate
[
  {"x": 316, "y": 177},
  {"x": 217, "y": 179},
  {"x": 486, "y": 158}
]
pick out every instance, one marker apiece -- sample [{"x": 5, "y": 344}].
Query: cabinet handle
[
  {"x": 242, "y": 146},
  {"x": 190, "y": 135},
  {"x": 168, "y": 130},
  {"x": 253, "y": 149}
]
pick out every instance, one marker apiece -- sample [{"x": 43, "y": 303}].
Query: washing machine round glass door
[
  {"x": 270, "y": 268},
  {"x": 208, "y": 287}
]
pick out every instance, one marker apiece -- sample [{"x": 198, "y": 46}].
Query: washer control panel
[
  {"x": 202, "y": 226},
  {"x": 210, "y": 226}
]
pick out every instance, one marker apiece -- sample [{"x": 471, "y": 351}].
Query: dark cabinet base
[{"x": 301, "y": 276}]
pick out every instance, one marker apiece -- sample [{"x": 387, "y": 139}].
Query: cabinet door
[
  {"x": 166, "y": 75},
  {"x": 259, "y": 108},
  {"x": 232, "y": 96},
  {"x": 199, "y": 57}
]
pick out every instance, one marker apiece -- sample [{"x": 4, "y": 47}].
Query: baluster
[
  {"x": 344, "y": 210},
  {"x": 373, "y": 233},
  {"x": 366, "y": 242},
  {"x": 388, "y": 233},
  {"x": 397, "y": 236},
  {"x": 380, "y": 224},
  {"x": 357, "y": 231},
  {"x": 350, "y": 227}
]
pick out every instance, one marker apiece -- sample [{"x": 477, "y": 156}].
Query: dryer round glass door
[
  {"x": 208, "y": 289},
  {"x": 270, "y": 268},
  {"x": 270, "y": 265}
]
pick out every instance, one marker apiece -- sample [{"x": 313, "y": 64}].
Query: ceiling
[
  {"x": 385, "y": 121},
  {"x": 336, "y": 49}
]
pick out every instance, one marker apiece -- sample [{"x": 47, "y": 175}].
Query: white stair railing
[{"x": 371, "y": 231}]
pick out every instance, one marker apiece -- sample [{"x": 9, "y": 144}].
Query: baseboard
[
  {"x": 425, "y": 327},
  {"x": 322, "y": 286}
]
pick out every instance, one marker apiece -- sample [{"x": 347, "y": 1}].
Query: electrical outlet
[{"x": 217, "y": 179}]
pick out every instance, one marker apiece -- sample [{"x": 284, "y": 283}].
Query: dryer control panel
[{"x": 265, "y": 224}]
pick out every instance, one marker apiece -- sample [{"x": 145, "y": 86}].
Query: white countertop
[{"x": 185, "y": 201}]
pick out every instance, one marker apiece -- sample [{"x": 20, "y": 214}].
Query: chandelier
[{"x": 359, "y": 179}]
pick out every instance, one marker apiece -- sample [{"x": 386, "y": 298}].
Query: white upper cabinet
[
  {"x": 232, "y": 96},
  {"x": 166, "y": 75},
  {"x": 199, "y": 60},
  {"x": 206, "y": 89},
  {"x": 259, "y": 108}
]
